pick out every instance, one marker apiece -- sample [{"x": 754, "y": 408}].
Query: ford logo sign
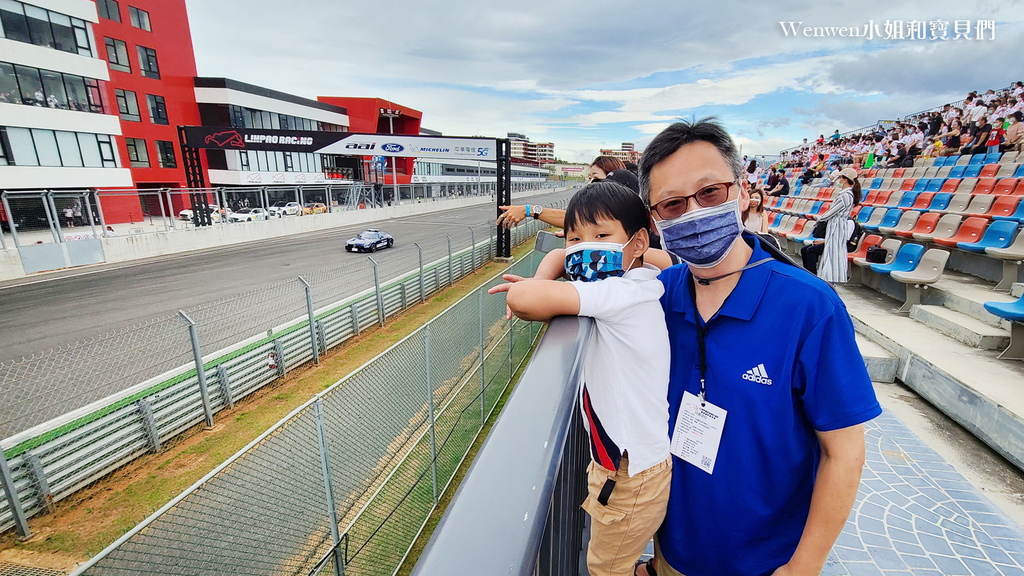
[{"x": 392, "y": 148}]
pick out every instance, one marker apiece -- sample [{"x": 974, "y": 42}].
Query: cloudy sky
[{"x": 594, "y": 74}]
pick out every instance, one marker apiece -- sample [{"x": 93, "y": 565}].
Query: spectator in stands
[
  {"x": 995, "y": 136},
  {"x": 774, "y": 494},
  {"x": 936, "y": 143},
  {"x": 835, "y": 136},
  {"x": 782, "y": 187},
  {"x": 979, "y": 138},
  {"x": 753, "y": 174},
  {"x": 602, "y": 165},
  {"x": 953, "y": 139},
  {"x": 1018, "y": 90},
  {"x": 753, "y": 217},
  {"x": 834, "y": 266},
  {"x": 900, "y": 158},
  {"x": 773, "y": 177},
  {"x": 934, "y": 123},
  {"x": 1014, "y": 134}
]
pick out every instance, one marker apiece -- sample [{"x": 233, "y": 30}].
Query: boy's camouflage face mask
[{"x": 592, "y": 261}]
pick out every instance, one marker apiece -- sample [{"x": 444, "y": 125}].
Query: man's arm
[
  {"x": 835, "y": 489},
  {"x": 542, "y": 300},
  {"x": 513, "y": 215}
]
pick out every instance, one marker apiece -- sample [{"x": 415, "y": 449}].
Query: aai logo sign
[{"x": 392, "y": 148}]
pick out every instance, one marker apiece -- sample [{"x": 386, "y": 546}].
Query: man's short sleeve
[{"x": 836, "y": 389}]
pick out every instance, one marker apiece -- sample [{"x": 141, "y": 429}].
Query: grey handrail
[{"x": 495, "y": 522}]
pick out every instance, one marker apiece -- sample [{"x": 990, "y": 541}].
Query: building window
[
  {"x": 147, "y": 62},
  {"x": 117, "y": 55},
  {"x": 31, "y": 24},
  {"x": 127, "y": 105},
  {"x": 165, "y": 154},
  {"x": 36, "y": 147},
  {"x": 139, "y": 18},
  {"x": 109, "y": 9},
  {"x": 138, "y": 157},
  {"x": 157, "y": 109},
  {"x": 34, "y": 87}
]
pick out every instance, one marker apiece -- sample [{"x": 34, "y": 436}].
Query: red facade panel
[{"x": 364, "y": 116}]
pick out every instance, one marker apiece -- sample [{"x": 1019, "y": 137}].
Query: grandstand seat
[
  {"x": 970, "y": 231},
  {"x": 875, "y": 219},
  {"x": 1012, "y": 256},
  {"x": 935, "y": 185},
  {"x": 816, "y": 208},
  {"x": 993, "y": 157},
  {"x": 914, "y": 173},
  {"x": 977, "y": 159},
  {"x": 866, "y": 241},
  {"x": 775, "y": 220},
  {"x": 865, "y": 214},
  {"x": 1004, "y": 206},
  {"x": 882, "y": 198},
  {"x": 967, "y": 186},
  {"x": 946, "y": 227},
  {"x": 943, "y": 172},
  {"x": 922, "y": 201},
  {"x": 999, "y": 234},
  {"x": 797, "y": 230},
  {"x": 1005, "y": 186},
  {"x": 894, "y": 199},
  {"x": 962, "y": 160},
  {"x": 899, "y": 172},
  {"x": 940, "y": 202},
  {"x": 1014, "y": 312},
  {"x": 870, "y": 198},
  {"x": 1020, "y": 172},
  {"x": 1017, "y": 215},
  {"x": 875, "y": 184},
  {"x": 989, "y": 171},
  {"x": 939, "y": 162},
  {"x": 957, "y": 204},
  {"x": 906, "y": 260},
  {"x": 928, "y": 271},
  {"x": 1005, "y": 170},
  {"x": 929, "y": 172},
  {"x": 856, "y": 210},
  {"x": 891, "y": 246},
  {"x": 889, "y": 220},
  {"x": 906, "y": 222},
  {"x": 908, "y": 184},
  {"x": 980, "y": 204},
  {"x": 908, "y": 200},
  {"x": 957, "y": 172},
  {"x": 950, "y": 185},
  {"x": 924, "y": 224},
  {"x": 888, "y": 184},
  {"x": 985, "y": 186},
  {"x": 973, "y": 171}
]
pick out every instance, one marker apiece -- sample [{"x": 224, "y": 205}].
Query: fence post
[
  {"x": 99, "y": 211},
  {"x": 430, "y": 410},
  {"x": 490, "y": 242},
  {"x": 149, "y": 423},
  {"x": 20, "y": 523},
  {"x": 312, "y": 320},
  {"x": 193, "y": 334},
  {"x": 355, "y": 320},
  {"x": 483, "y": 377},
  {"x": 323, "y": 337},
  {"x": 279, "y": 354},
  {"x": 39, "y": 475},
  {"x": 225, "y": 386},
  {"x": 380, "y": 297},
  {"x": 472, "y": 250},
  {"x": 451, "y": 276},
  {"x": 325, "y": 467},
  {"x": 423, "y": 292}
]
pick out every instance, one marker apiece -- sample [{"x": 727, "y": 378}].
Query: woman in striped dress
[{"x": 834, "y": 265}]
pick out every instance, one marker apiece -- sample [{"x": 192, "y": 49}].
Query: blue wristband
[{"x": 527, "y": 210}]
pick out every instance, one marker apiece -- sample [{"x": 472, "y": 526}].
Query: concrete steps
[
  {"x": 881, "y": 365},
  {"x": 1017, "y": 290},
  {"x": 966, "y": 295},
  {"x": 961, "y": 327}
]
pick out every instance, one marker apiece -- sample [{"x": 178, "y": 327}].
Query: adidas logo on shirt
[{"x": 758, "y": 374}]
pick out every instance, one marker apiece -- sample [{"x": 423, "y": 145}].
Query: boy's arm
[{"x": 542, "y": 300}]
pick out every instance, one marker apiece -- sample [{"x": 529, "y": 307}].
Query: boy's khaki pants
[{"x": 620, "y": 530}]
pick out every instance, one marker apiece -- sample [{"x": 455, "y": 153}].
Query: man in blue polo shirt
[{"x": 767, "y": 391}]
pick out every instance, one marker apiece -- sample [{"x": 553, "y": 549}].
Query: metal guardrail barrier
[
  {"x": 52, "y": 460},
  {"x": 347, "y": 481},
  {"x": 529, "y": 478}
]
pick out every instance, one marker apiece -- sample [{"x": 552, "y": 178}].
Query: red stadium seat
[
  {"x": 856, "y": 210},
  {"x": 924, "y": 199},
  {"x": 1003, "y": 206},
  {"x": 1019, "y": 190},
  {"x": 882, "y": 198},
  {"x": 799, "y": 228},
  {"x": 862, "y": 250},
  {"x": 1005, "y": 186},
  {"x": 899, "y": 173},
  {"x": 985, "y": 186},
  {"x": 908, "y": 184},
  {"x": 989, "y": 171},
  {"x": 970, "y": 231},
  {"x": 871, "y": 173},
  {"x": 950, "y": 185},
  {"x": 925, "y": 225},
  {"x": 869, "y": 200}
]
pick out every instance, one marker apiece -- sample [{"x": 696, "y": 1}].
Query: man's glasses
[{"x": 706, "y": 197}]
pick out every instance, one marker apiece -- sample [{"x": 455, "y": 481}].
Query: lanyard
[{"x": 702, "y": 327}]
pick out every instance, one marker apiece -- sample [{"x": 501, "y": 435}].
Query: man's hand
[{"x": 511, "y": 215}]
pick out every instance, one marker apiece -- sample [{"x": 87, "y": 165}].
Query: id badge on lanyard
[{"x": 698, "y": 432}]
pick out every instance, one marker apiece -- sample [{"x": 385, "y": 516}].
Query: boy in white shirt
[{"x": 624, "y": 391}]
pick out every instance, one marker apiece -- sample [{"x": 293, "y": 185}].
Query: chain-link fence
[
  {"x": 72, "y": 415},
  {"x": 346, "y": 482}
]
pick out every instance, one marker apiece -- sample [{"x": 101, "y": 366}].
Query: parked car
[
  {"x": 370, "y": 241},
  {"x": 314, "y": 208},
  {"x": 282, "y": 208},
  {"x": 248, "y": 215},
  {"x": 216, "y": 213}
]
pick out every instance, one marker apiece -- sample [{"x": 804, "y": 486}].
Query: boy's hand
[{"x": 510, "y": 280}]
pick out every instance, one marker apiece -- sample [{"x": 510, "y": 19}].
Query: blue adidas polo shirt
[{"x": 783, "y": 362}]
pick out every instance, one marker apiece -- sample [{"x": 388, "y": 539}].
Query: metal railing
[
  {"x": 72, "y": 415},
  {"x": 347, "y": 481},
  {"x": 529, "y": 478}
]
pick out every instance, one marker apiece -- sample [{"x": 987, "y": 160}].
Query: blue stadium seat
[
  {"x": 993, "y": 157},
  {"x": 958, "y": 171},
  {"x": 908, "y": 200},
  {"x": 974, "y": 170},
  {"x": 1013, "y": 311},
  {"x": 876, "y": 184},
  {"x": 939, "y": 162},
  {"x": 999, "y": 234},
  {"x": 922, "y": 184},
  {"x": 940, "y": 202},
  {"x": 906, "y": 260},
  {"x": 865, "y": 213},
  {"x": 815, "y": 207},
  {"x": 892, "y": 217},
  {"x": 977, "y": 159},
  {"x": 1020, "y": 172},
  {"x": 777, "y": 220},
  {"x": 935, "y": 185},
  {"x": 951, "y": 160}
]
